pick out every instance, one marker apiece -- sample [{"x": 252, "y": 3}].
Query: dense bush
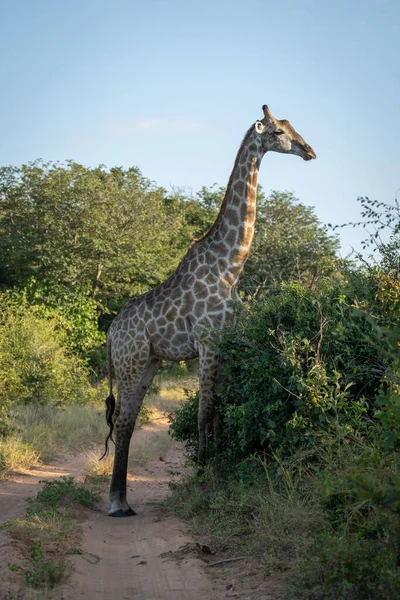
[
  {"x": 332, "y": 526},
  {"x": 74, "y": 311},
  {"x": 290, "y": 245},
  {"x": 297, "y": 365},
  {"x": 36, "y": 367}
]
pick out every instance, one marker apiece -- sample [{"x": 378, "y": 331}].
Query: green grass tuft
[
  {"x": 47, "y": 533},
  {"x": 64, "y": 492},
  {"x": 40, "y": 571}
]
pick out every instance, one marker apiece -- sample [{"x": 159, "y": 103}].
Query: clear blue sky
[{"x": 172, "y": 85}]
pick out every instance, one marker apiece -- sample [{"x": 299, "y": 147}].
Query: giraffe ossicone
[{"x": 178, "y": 319}]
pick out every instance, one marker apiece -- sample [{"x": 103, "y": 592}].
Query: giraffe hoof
[
  {"x": 129, "y": 513},
  {"x": 122, "y": 513},
  {"x": 117, "y": 513}
]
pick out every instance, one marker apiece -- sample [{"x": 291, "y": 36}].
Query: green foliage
[
  {"x": 76, "y": 313},
  {"x": 183, "y": 422},
  {"x": 349, "y": 567},
  {"x": 298, "y": 364},
  {"x": 290, "y": 245},
  {"x": 387, "y": 413},
  {"x": 332, "y": 527},
  {"x": 355, "y": 554},
  {"x": 112, "y": 232},
  {"x": 64, "y": 492},
  {"x": 44, "y": 529},
  {"x": 202, "y": 211},
  {"x": 39, "y": 571},
  {"x": 35, "y": 365}
]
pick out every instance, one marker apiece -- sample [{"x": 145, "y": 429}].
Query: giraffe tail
[{"x": 110, "y": 402}]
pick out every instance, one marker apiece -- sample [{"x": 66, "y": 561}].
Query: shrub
[
  {"x": 74, "y": 312},
  {"x": 332, "y": 527},
  {"x": 183, "y": 421},
  {"x": 64, "y": 492},
  {"x": 41, "y": 571},
  {"x": 296, "y": 366},
  {"x": 35, "y": 365}
]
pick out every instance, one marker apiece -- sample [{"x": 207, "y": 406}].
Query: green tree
[
  {"x": 35, "y": 364},
  {"x": 202, "y": 210},
  {"x": 381, "y": 222},
  {"x": 112, "y": 232},
  {"x": 290, "y": 245}
]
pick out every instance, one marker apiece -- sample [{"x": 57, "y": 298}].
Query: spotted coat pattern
[{"x": 178, "y": 319}]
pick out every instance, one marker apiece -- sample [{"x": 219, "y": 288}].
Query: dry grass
[
  {"x": 44, "y": 433},
  {"x": 171, "y": 394},
  {"x": 46, "y": 526},
  {"x": 16, "y": 455},
  {"x": 99, "y": 468},
  {"x": 54, "y": 432},
  {"x": 150, "y": 445}
]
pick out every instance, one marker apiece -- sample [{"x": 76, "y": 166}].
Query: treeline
[
  {"x": 81, "y": 241},
  {"x": 113, "y": 233}
]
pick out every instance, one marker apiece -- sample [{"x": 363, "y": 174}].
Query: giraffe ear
[{"x": 259, "y": 126}]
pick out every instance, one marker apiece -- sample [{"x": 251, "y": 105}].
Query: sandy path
[
  {"x": 121, "y": 557},
  {"x": 14, "y": 493}
]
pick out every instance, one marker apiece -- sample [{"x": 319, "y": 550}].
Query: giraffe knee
[{"x": 124, "y": 426}]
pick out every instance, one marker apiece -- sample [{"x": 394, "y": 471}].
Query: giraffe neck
[{"x": 231, "y": 235}]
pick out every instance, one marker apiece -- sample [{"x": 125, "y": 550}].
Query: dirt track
[
  {"x": 122, "y": 556},
  {"x": 122, "y": 559}
]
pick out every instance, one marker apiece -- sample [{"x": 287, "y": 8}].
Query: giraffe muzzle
[{"x": 310, "y": 155}]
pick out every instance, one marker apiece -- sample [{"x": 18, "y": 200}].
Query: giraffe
[{"x": 178, "y": 319}]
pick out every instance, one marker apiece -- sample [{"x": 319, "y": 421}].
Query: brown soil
[{"x": 150, "y": 556}]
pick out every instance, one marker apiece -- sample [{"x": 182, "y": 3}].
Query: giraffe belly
[
  {"x": 175, "y": 348},
  {"x": 171, "y": 337}
]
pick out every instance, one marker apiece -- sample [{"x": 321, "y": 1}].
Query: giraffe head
[{"x": 280, "y": 136}]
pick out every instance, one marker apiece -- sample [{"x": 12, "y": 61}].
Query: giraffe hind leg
[{"x": 130, "y": 398}]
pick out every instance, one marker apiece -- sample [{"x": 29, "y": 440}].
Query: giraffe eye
[{"x": 278, "y": 132}]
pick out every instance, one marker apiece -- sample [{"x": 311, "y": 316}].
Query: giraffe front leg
[{"x": 208, "y": 369}]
